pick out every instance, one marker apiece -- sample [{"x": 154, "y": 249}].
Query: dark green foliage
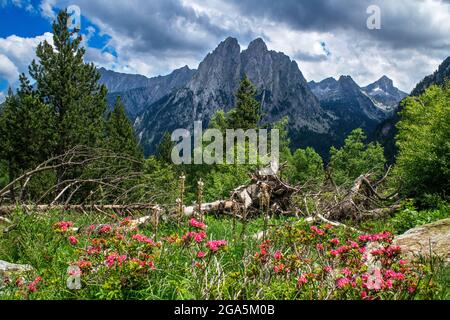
[
  {"x": 70, "y": 87},
  {"x": 120, "y": 134},
  {"x": 356, "y": 158},
  {"x": 306, "y": 168},
  {"x": 410, "y": 217},
  {"x": 165, "y": 148},
  {"x": 247, "y": 112},
  {"x": 423, "y": 140},
  {"x": 26, "y": 128}
]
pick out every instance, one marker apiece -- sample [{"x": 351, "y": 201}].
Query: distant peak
[
  {"x": 257, "y": 44},
  {"x": 185, "y": 68},
  {"x": 345, "y": 78},
  {"x": 384, "y": 79},
  {"x": 229, "y": 41}
]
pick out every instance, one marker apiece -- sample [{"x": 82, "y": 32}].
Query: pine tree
[
  {"x": 70, "y": 87},
  {"x": 247, "y": 112},
  {"x": 120, "y": 134},
  {"x": 164, "y": 152},
  {"x": 26, "y": 128}
]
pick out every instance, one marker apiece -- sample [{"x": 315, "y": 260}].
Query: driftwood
[
  {"x": 361, "y": 201},
  {"x": 265, "y": 193}
]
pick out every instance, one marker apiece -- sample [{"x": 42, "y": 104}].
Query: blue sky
[{"x": 153, "y": 37}]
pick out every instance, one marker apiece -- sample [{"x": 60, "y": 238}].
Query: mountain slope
[
  {"x": 356, "y": 107},
  {"x": 384, "y": 94},
  {"x": 438, "y": 77},
  {"x": 137, "y": 91}
]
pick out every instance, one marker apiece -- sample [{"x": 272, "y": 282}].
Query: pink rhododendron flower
[
  {"x": 93, "y": 250},
  {"x": 278, "y": 255},
  {"x": 33, "y": 285},
  {"x": 105, "y": 229},
  {"x": 197, "y": 224},
  {"x": 278, "y": 268},
  {"x": 201, "y": 254},
  {"x": 335, "y": 241},
  {"x": 317, "y": 230},
  {"x": 143, "y": 239},
  {"x": 302, "y": 280},
  {"x": 63, "y": 226},
  {"x": 342, "y": 282},
  {"x": 319, "y": 246},
  {"x": 214, "y": 245},
  {"x": 327, "y": 269},
  {"x": 346, "y": 272},
  {"x": 113, "y": 258},
  {"x": 375, "y": 237}
]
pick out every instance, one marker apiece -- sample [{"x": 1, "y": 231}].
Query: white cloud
[
  {"x": 8, "y": 69},
  {"x": 154, "y": 37},
  {"x": 46, "y": 9},
  {"x": 16, "y": 53},
  {"x": 2, "y": 97}
]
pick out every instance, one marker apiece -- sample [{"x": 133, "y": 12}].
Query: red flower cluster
[
  {"x": 143, "y": 264},
  {"x": 197, "y": 236},
  {"x": 215, "y": 245},
  {"x": 33, "y": 285},
  {"x": 113, "y": 258},
  {"x": 63, "y": 226},
  {"x": 375, "y": 237},
  {"x": 73, "y": 240},
  {"x": 317, "y": 230},
  {"x": 197, "y": 224},
  {"x": 105, "y": 229},
  {"x": 143, "y": 239}
]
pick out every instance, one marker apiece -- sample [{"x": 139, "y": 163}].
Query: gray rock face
[
  {"x": 431, "y": 238},
  {"x": 282, "y": 90},
  {"x": 384, "y": 94},
  {"x": 137, "y": 92},
  {"x": 117, "y": 82},
  {"x": 438, "y": 77},
  {"x": 374, "y": 102}
]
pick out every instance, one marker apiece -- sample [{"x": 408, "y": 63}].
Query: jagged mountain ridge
[
  {"x": 138, "y": 92},
  {"x": 282, "y": 90},
  {"x": 384, "y": 94},
  {"x": 355, "y": 106},
  {"x": 438, "y": 77}
]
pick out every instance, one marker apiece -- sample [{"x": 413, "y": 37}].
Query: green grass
[{"x": 229, "y": 274}]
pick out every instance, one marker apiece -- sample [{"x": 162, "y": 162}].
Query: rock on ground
[
  {"x": 420, "y": 241},
  {"x": 7, "y": 267}
]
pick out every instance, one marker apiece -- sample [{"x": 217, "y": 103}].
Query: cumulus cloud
[
  {"x": 16, "y": 54},
  {"x": 46, "y": 9},
  {"x": 2, "y": 97}
]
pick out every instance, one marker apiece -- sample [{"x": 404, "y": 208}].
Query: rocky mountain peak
[
  {"x": 384, "y": 83},
  {"x": 257, "y": 45}
]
